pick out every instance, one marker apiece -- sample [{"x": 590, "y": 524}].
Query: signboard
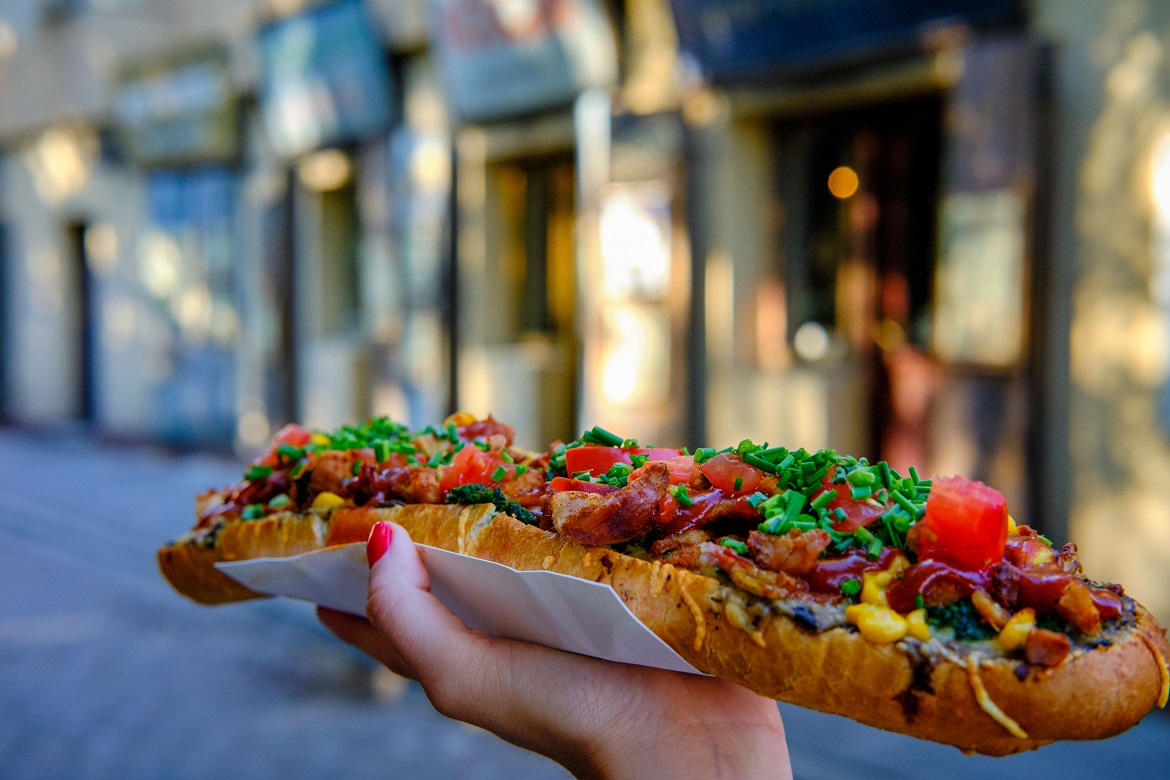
[
  {"x": 178, "y": 110},
  {"x": 503, "y": 58},
  {"x": 324, "y": 79},
  {"x": 742, "y": 39}
]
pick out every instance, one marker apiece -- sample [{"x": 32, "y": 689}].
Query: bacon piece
[
  {"x": 691, "y": 538},
  {"x": 990, "y": 610},
  {"x": 527, "y": 490},
  {"x": 486, "y": 429},
  {"x": 794, "y": 553},
  {"x": 334, "y": 468},
  {"x": 620, "y": 516},
  {"x": 415, "y": 484},
  {"x": 1076, "y": 605},
  {"x": 1067, "y": 559},
  {"x": 1046, "y": 648},
  {"x": 749, "y": 577}
]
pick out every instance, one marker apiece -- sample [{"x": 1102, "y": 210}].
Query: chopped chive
[
  {"x": 704, "y": 454},
  {"x": 919, "y": 602},
  {"x": 252, "y": 512},
  {"x": 757, "y": 498},
  {"x": 861, "y": 492},
  {"x": 499, "y": 473},
  {"x": 839, "y": 514},
  {"x": 258, "y": 472},
  {"x": 357, "y": 467},
  {"x": 680, "y": 493},
  {"x": 755, "y": 460},
  {"x": 435, "y": 460},
  {"x": 297, "y": 469},
  {"x": 684, "y": 451},
  {"x": 905, "y": 503},
  {"x": 734, "y": 544},
  {"x": 874, "y": 549},
  {"x": 773, "y": 454},
  {"x": 289, "y": 453},
  {"x": 851, "y": 587},
  {"x": 506, "y": 457},
  {"x": 278, "y": 501},
  {"x": 738, "y": 484},
  {"x": 452, "y": 432},
  {"x": 884, "y": 474},
  {"x": 482, "y": 445},
  {"x": 638, "y": 461},
  {"x": 862, "y": 478},
  {"x": 381, "y": 451},
  {"x": 585, "y": 475},
  {"x": 602, "y": 436},
  {"x": 914, "y": 475},
  {"x": 627, "y": 443},
  {"x": 521, "y": 469},
  {"x": 824, "y": 499}
]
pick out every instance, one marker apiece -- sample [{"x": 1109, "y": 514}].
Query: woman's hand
[{"x": 597, "y": 718}]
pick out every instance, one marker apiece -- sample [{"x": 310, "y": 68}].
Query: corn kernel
[
  {"x": 916, "y": 625},
  {"x": 1013, "y": 634},
  {"x": 460, "y": 419},
  {"x": 1013, "y": 529},
  {"x": 880, "y": 625},
  {"x": 327, "y": 499},
  {"x": 320, "y": 439},
  {"x": 873, "y": 588}
]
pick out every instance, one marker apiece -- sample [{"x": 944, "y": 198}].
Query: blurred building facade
[{"x": 932, "y": 233}]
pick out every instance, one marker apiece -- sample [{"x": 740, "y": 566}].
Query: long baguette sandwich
[{"x": 914, "y": 605}]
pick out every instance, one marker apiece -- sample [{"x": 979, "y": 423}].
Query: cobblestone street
[{"x": 109, "y": 674}]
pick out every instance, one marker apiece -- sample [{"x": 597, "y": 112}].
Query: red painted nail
[{"x": 379, "y": 543}]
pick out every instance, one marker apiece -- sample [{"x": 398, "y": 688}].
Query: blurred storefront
[
  {"x": 871, "y": 171},
  {"x": 515, "y": 86}
]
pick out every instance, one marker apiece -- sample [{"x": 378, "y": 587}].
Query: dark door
[
  {"x": 859, "y": 191},
  {"x": 85, "y": 323}
]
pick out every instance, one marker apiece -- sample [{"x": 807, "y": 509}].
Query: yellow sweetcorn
[
  {"x": 1013, "y": 529},
  {"x": 873, "y": 587},
  {"x": 460, "y": 419},
  {"x": 878, "y": 624},
  {"x": 320, "y": 439},
  {"x": 1016, "y": 630},
  {"x": 327, "y": 499},
  {"x": 916, "y": 625}
]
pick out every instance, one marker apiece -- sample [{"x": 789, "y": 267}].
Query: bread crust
[{"x": 926, "y": 691}]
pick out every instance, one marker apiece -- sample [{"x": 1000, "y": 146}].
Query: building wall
[{"x": 1109, "y": 338}]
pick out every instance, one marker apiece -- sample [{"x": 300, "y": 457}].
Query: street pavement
[{"x": 107, "y": 673}]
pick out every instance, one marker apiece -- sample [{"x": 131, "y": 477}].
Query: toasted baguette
[{"x": 979, "y": 706}]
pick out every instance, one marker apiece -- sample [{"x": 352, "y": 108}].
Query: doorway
[
  {"x": 857, "y": 196},
  {"x": 85, "y": 323}
]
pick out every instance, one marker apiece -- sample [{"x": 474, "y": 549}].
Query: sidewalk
[{"x": 109, "y": 674}]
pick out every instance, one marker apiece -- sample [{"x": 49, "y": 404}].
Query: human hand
[{"x": 596, "y": 718}]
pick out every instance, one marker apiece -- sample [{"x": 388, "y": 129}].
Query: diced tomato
[
  {"x": 291, "y": 434},
  {"x": 559, "y": 484},
  {"x": 683, "y": 469},
  {"x": 858, "y": 513},
  {"x": 598, "y": 460},
  {"x": 966, "y": 524},
  {"x": 471, "y": 465},
  {"x": 724, "y": 469}
]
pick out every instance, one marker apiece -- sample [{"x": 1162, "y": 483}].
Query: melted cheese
[
  {"x": 987, "y": 705},
  {"x": 1164, "y": 693},
  {"x": 463, "y": 518},
  {"x": 700, "y": 621}
]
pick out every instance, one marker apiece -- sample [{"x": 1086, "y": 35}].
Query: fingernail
[{"x": 379, "y": 542}]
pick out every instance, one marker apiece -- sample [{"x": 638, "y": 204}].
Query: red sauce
[
  {"x": 675, "y": 518},
  {"x": 936, "y": 582},
  {"x": 830, "y": 573}
]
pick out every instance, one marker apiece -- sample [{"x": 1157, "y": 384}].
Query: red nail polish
[{"x": 379, "y": 542}]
